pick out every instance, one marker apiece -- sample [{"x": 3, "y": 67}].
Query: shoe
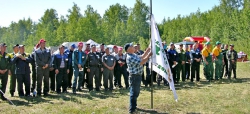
[
  {"x": 39, "y": 94},
  {"x": 45, "y": 94},
  {"x": 65, "y": 91},
  {"x": 12, "y": 94},
  {"x": 58, "y": 92},
  {"x": 97, "y": 89},
  {"x": 79, "y": 89}
]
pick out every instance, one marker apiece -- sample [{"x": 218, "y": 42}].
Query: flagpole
[{"x": 152, "y": 104}]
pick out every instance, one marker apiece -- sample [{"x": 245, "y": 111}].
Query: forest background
[{"x": 228, "y": 22}]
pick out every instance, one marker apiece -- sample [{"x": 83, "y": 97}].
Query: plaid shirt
[{"x": 133, "y": 63}]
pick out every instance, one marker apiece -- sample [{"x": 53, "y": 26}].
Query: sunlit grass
[{"x": 203, "y": 97}]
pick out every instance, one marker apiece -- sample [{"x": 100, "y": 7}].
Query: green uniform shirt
[
  {"x": 182, "y": 55},
  {"x": 4, "y": 61}
]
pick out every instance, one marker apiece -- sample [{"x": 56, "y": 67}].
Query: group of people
[
  {"x": 69, "y": 67},
  {"x": 75, "y": 68},
  {"x": 184, "y": 60}
]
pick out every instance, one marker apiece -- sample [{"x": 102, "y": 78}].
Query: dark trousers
[
  {"x": 173, "y": 70},
  {"x": 12, "y": 83},
  {"x": 148, "y": 75},
  {"x": 116, "y": 77},
  {"x": 94, "y": 71},
  {"x": 33, "y": 86},
  {"x": 4, "y": 80},
  {"x": 187, "y": 70},
  {"x": 100, "y": 77},
  {"x": 154, "y": 74},
  {"x": 195, "y": 71},
  {"x": 135, "y": 84},
  {"x": 85, "y": 78},
  {"x": 232, "y": 67},
  {"x": 42, "y": 75},
  {"x": 225, "y": 68},
  {"x": 119, "y": 74},
  {"x": 23, "y": 79},
  {"x": 70, "y": 75},
  {"x": 52, "y": 76},
  {"x": 61, "y": 80},
  {"x": 108, "y": 77}
]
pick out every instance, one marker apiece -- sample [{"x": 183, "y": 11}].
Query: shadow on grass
[
  {"x": 28, "y": 101},
  {"x": 150, "y": 111}
]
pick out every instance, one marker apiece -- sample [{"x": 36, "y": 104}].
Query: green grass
[{"x": 203, "y": 97}]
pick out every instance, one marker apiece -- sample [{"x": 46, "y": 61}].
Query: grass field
[{"x": 203, "y": 97}]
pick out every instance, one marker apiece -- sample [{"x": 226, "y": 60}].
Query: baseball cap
[
  {"x": 232, "y": 45},
  {"x": 3, "y": 44},
  {"x": 115, "y": 47},
  {"x": 16, "y": 45},
  {"x": 80, "y": 44},
  {"x": 73, "y": 46},
  {"x": 42, "y": 41},
  {"x": 61, "y": 46},
  {"x": 127, "y": 45},
  {"x": 207, "y": 43},
  {"x": 119, "y": 49},
  {"x": 93, "y": 45},
  {"x": 21, "y": 46},
  {"x": 218, "y": 42}
]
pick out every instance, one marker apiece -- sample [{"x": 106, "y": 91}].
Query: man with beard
[
  {"x": 12, "y": 71},
  {"x": 42, "y": 60}
]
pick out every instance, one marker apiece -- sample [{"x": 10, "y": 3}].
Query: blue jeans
[
  {"x": 135, "y": 84},
  {"x": 80, "y": 80}
]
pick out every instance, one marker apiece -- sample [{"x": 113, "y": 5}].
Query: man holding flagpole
[{"x": 135, "y": 68}]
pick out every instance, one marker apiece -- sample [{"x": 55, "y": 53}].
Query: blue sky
[{"x": 14, "y": 10}]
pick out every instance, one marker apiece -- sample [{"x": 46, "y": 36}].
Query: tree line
[{"x": 228, "y": 22}]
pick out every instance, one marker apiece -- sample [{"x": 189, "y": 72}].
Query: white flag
[{"x": 159, "y": 58}]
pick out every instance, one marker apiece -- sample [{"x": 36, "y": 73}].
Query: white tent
[{"x": 90, "y": 41}]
